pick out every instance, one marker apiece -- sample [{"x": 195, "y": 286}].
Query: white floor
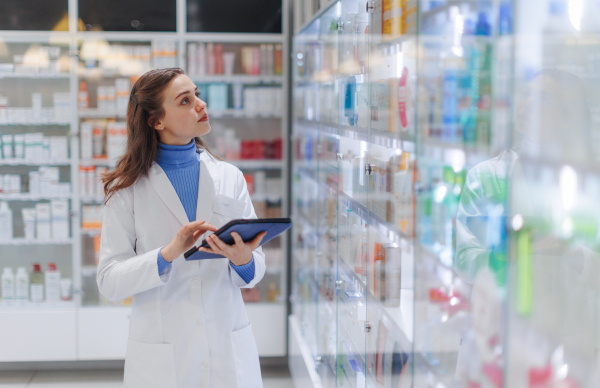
[{"x": 273, "y": 377}]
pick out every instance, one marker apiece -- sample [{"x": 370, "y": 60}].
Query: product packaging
[
  {"x": 52, "y": 283},
  {"x": 6, "y": 222},
  {"x": 42, "y": 218},
  {"x": 36, "y": 286},
  {"x": 8, "y": 284},
  {"x": 29, "y": 217},
  {"x": 60, "y": 219}
]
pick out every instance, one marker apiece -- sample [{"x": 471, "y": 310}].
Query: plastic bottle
[
  {"x": 83, "y": 97},
  {"x": 8, "y": 284},
  {"x": 483, "y": 26},
  {"x": 36, "y": 285},
  {"x": 6, "y": 222},
  {"x": 52, "y": 277},
  {"x": 22, "y": 285}
]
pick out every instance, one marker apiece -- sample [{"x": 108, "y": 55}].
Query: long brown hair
[{"x": 145, "y": 107}]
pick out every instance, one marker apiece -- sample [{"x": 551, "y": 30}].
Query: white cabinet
[
  {"x": 102, "y": 333},
  {"x": 37, "y": 335}
]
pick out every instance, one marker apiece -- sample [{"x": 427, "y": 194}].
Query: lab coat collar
[{"x": 207, "y": 186}]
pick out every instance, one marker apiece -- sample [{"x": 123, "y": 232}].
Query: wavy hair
[{"x": 145, "y": 107}]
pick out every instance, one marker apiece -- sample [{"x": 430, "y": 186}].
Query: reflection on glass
[
  {"x": 249, "y": 16},
  {"x": 115, "y": 15},
  {"x": 37, "y": 15}
]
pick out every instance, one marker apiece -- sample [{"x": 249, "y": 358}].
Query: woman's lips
[{"x": 205, "y": 118}]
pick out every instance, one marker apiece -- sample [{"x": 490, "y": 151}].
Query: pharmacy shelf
[
  {"x": 92, "y": 200},
  {"x": 23, "y": 241},
  {"x": 36, "y": 123},
  {"x": 29, "y": 197},
  {"x": 374, "y": 220},
  {"x": 98, "y": 114},
  {"x": 240, "y": 114},
  {"x": 17, "y": 305},
  {"x": 98, "y": 162},
  {"x": 238, "y": 79},
  {"x": 24, "y": 162},
  {"x": 384, "y": 139},
  {"x": 257, "y": 164},
  {"x": 35, "y": 75}
]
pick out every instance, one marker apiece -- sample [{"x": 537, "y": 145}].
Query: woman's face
[{"x": 185, "y": 113}]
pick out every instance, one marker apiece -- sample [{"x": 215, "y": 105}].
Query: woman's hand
[
  {"x": 239, "y": 253},
  {"x": 185, "y": 239}
]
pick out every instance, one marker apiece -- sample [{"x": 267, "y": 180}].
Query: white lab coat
[{"x": 189, "y": 326}]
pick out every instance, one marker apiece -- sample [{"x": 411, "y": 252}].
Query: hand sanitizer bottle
[
  {"x": 22, "y": 285},
  {"x": 37, "y": 284},
  {"x": 8, "y": 284}
]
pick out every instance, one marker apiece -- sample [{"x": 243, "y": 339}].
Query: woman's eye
[
  {"x": 184, "y": 101},
  {"x": 198, "y": 94}
]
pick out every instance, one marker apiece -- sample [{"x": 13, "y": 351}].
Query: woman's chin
[{"x": 205, "y": 130}]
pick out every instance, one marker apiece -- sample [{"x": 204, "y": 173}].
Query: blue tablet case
[{"x": 247, "y": 229}]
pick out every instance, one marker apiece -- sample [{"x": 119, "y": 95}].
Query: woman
[{"x": 188, "y": 325}]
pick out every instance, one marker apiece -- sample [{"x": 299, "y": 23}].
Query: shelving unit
[
  {"x": 432, "y": 172},
  {"x": 88, "y": 329}
]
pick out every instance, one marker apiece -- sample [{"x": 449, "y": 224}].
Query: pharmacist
[{"x": 188, "y": 324}]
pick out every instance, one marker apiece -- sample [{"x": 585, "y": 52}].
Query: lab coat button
[
  {"x": 205, "y": 364},
  {"x": 199, "y": 323},
  {"x": 195, "y": 278}
]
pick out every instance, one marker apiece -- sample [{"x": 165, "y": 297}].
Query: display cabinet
[
  {"x": 63, "y": 101},
  {"x": 443, "y": 174}
]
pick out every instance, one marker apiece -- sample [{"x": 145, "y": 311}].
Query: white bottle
[
  {"x": 6, "y": 222},
  {"x": 22, "y": 284},
  {"x": 52, "y": 281},
  {"x": 8, "y": 284}
]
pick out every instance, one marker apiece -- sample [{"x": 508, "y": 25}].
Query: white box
[
  {"x": 49, "y": 177},
  {"x": 59, "y": 147},
  {"x": 42, "y": 221},
  {"x": 116, "y": 140},
  {"x": 60, "y": 219},
  {"x": 34, "y": 183},
  {"x": 85, "y": 135}
]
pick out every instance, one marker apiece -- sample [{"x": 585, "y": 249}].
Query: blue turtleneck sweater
[{"x": 182, "y": 166}]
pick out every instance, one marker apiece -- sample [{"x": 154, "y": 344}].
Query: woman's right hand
[{"x": 185, "y": 239}]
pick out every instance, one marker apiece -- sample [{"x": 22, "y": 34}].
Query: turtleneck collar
[{"x": 175, "y": 156}]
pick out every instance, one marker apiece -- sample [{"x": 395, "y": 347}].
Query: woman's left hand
[{"x": 239, "y": 253}]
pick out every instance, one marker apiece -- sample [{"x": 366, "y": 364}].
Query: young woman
[{"x": 188, "y": 325}]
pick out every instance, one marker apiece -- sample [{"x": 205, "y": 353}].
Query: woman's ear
[{"x": 158, "y": 125}]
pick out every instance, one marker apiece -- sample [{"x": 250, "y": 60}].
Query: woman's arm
[{"x": 121, "y": 272}]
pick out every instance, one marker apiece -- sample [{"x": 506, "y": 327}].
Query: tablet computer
[{"x": 247, "y": 229}]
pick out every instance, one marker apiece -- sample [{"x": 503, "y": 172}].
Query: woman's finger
[
  {"x": 222, "y": 246},
  {"x": 238, "y": 240},
  {"x": 212, "y": 244},
  {"x": 207, "y": 250},
  {"x": 257, "y": 240}
]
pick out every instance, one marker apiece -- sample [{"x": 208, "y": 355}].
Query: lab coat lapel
[
  {"x": 207, "y": 188},
  {"x": 165, "y": 190}
]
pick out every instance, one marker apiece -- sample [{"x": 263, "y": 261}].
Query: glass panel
[
  {"x": 38, "y": 15},
  {"x": 35, "y": 176},
  {"x": 305, "y": 189},
  {"x": 115, "y": 15},
  {"x": 391, "y": 163},
  {"x": 462, "y": 149},
  {"x": 552, "y": 333},
  {"x": 258, "y": 16}
]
